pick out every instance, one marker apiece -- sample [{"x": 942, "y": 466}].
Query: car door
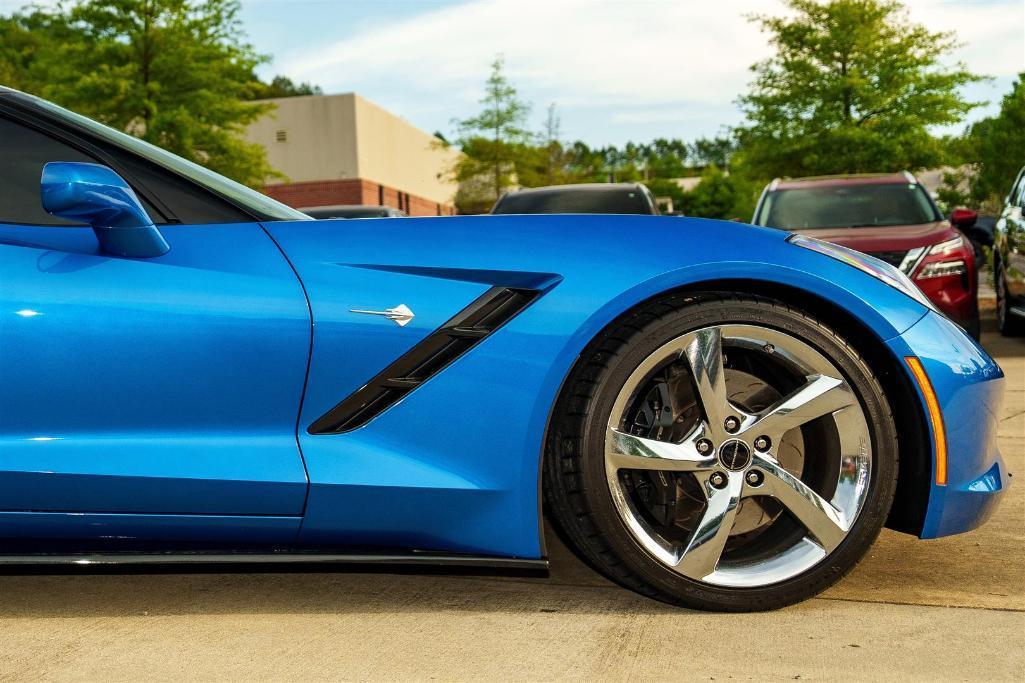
[
  {"x": 167, "y": 387},
  {"x": 1013, "y": 249}
]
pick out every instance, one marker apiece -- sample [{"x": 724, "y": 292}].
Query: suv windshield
[
  {"x": 248, "y": 199},
  {"x": 567, "y": 200},
  {"x": 848, "y": 206}
]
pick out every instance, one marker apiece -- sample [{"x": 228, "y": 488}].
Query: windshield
[
  {"x": 618, "y": 200},
  {"x": 242, "y": 196},
  {"x": 848, "y": 206}
]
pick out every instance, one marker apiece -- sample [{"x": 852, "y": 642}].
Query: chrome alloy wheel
[{"x": 758, "y": 445}]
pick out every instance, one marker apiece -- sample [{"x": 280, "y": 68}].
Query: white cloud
[
  {"x": 578, "y": 52},
  {"x": 991, "y": 31},
  {"x": 627, "y": 63},
  {"x": 616, "y": 68},
  {"x": 8, "y": 6}
]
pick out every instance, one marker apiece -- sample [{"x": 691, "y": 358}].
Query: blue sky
[{"x": 617, "y": 70}]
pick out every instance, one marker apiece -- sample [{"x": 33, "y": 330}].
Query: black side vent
[{"x": 490, "y": 311}]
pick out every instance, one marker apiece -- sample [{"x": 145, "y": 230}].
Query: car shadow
[
  {"x": 94, "y": 591},
  {"x": 269, "y": 590}
]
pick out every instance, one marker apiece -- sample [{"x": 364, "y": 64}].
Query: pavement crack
[
  {"x": 895, "y": 603},
  {"x": 899, "y": 603}
]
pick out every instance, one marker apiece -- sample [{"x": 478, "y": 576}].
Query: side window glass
[
  {"x": 191, "y": 205},
  {"x": 766, "y": 207},
  {"x": 24, "y": 152}
]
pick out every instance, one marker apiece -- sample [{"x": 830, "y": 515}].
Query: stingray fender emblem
[{"x": 401, "y": 315}]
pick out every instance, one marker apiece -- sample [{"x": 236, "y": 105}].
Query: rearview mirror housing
[
  {"x": 98, "y": 196},
  {"x": 966, "y": 221},
  {"x": 963, "y": 218}
]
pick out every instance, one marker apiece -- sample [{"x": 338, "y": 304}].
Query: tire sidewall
[{"x": 858, "y": 375}]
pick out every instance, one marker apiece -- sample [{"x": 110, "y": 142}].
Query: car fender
[{"x": 454, "y": 465}]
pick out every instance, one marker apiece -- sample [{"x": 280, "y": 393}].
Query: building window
[
  {"x": 380, "y": 195},
  {"x": 281, "y": 135}
]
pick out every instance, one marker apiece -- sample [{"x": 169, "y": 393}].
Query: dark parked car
[
  {"x": 582, "y": 198},
  {"x": 891, "y": 217},
  {"x": 1009, "y": 261},
  {"x": 352, "y": 211}
]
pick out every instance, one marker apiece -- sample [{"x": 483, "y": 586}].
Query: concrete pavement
[{"x": 951, "y": 609}]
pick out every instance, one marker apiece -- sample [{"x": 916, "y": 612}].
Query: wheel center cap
[{"x": 734, "y": 455}]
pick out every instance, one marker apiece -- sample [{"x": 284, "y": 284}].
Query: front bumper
[
  {"x": 969, "y": 387},
  {"x": 954, "y": 295}
]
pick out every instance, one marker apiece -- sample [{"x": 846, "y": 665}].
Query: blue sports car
[{"x": 712, "y": 414}]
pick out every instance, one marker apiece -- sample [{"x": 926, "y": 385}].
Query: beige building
[{"x": 343, "y": 149}]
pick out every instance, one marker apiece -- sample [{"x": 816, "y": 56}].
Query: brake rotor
[
  {"x": 667, "y": 412},
  {"x": 753, "y": 395}
]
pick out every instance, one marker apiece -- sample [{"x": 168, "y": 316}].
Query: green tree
[
  {"x": 554, "y": 158},
  {"x": 544, "y": 161},
  {"x": 176, "y": 73},
  {"x": 715, "y": 151},
  {"x": 998, "y": 143},
  {"x": 494, "y": 143},
  {"x": 853, "y": 87},
  {"x": 952, "y": 193},
  {"x": 18, "y": 46},
  {"x": 714, "y": 197},
  {"x": 585, "y": 165},
  {"x": 664, "y": 158},
  {"x": 283, "y": 86}
]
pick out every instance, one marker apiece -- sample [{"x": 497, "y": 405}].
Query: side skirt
[{"x": 282, "y": 557}]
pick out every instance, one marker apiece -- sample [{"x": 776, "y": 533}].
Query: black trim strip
[
  {"x": 468, "y": 328},
  {"x": 280, "y": 557}
]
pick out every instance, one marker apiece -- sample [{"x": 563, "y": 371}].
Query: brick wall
[{"x": 354, "y": 191}]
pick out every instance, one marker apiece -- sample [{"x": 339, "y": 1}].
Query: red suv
[{"x": 891, "y": 217}]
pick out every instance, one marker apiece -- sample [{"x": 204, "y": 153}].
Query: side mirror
[
  {"x": 963, "y": 218},
  {"x": 95, "y": 194}
]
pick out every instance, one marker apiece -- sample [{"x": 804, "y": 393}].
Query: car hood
[
  {"x": 611, "y": 259},
  {"x": 889, "y": 238}
]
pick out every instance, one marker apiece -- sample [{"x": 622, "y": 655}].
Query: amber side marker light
[{"x": 935, "y": 417}]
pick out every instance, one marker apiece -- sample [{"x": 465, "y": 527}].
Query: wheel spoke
[
  {"x": 821, "y": 395},
  {"x": 823, "y": 521},
  {"x": 736, "y": 382},
  {"x": 700, "y": 557},
  {"x": 626, "y": 451},
  {"x": 704, "y": 355}
]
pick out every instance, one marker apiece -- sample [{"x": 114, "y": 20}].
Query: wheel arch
[{"x": 914, "y": 446}]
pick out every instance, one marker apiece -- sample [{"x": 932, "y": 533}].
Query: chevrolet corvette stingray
[{"x": 712, "y": 414}]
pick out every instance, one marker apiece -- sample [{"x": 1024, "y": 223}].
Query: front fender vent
[{"x": 468, "y": 328}]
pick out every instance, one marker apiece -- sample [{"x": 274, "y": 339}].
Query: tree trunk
[{"x": 847, "y": 94}]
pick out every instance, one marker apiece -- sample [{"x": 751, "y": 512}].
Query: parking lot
[{"x": 950, "y": 609}]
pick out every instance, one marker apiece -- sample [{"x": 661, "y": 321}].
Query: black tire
[
  {"x": 578, "y": 496},
  {"x": 1009, "y": 324}
]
